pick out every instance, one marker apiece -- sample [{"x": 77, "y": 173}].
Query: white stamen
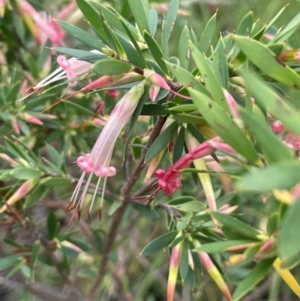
[
  {"x": 77, "y": 189},
  {"x": 95, "y": 193},
  {"x": 80, "y": 202},
  {"x": 103, "y": 190}
]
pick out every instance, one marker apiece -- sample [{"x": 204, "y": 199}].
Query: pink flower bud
[
  {"x": 153, "y": 92},
  {"x": 156, "y": 79},
  {"x": 25, "y": 188},
  {"x": 277, "y": 126},
  {"x": 114, "y": 93},
  {"x": 173, "y": 271},
  {"x": 215, "y": 275}
]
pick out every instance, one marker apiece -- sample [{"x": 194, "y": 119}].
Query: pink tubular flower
[
  {"x": 69, "y": 69},
  {"x": 97, "y": 162},
  {"x": 169, "y": 180}
]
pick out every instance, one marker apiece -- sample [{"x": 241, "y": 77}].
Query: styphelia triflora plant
[{"x": 209, "y": 135}]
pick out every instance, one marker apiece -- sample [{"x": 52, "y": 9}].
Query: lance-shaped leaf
[
  {"x": 223, "y": 125},
  {"x": 159, "y": 243},
  {"x": 209, "y": 77},
  {"x": 167, "y": 26},
  {"x": 276, "y": 106},
  {"x": 153, "y": 20},
  {"x": 111, "y": 67},
  {"x": 288, "y": 30},
  {"x": 236, "y": 225},
  {"x": 93, "y": 17},
  {"x": 257, "y": 274},
  {"x": 135, "y": 44},
  {"x": 139, "y": 9},
  {"x": 207, "y": 35},
  {"x": 279, "y": 176},
  {"x": 113, "y": 19},
  {"x": 81, "y": 35},
  {"x": 289, "y": 242},
  {"x": 273, "y": 148},
  {"x": 186, "y": 78},
  {"x": 184, "y": 49},
  {"x": 156, "y": 52},
  {"x": 161, "y": 141},
  {"x": 264, "y": 59},
  {"x": 221, "y": 246}
]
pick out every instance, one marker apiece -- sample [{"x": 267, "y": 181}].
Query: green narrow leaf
[
  {"x": 13, "y": 93},
  {"x": 257, "y": 274},
  {"x": 223, "y": 125},
  {"x": 268, "y": 99},
  {"x": 189, "y": 118},
  {"x": 236, "y": 225},
  {"x": 184, "y": 259},
  {"x": 35, "y": 196},
  {"x": 273, "y": 148},
  {"x": 221, "y": 246},
  {"x": 111, "y": 67},
  {"x": 136, "y": 147},
  {"x": 55, "y": 156},
  {"x": 288, "y": 30},
  {"x": 81, "y": 54},
  {"x": 156, "y": 52},
  {"x": 17, "y": 151},
  {"x": 81, "y": 35},
  {"x": 134, "y": 57},
  {"x": 161, "y": 141},
  {"x": 167, "y": 26},
  {"x": 57, "y": 181},
  {"x": 139, "y": 9},
  {"x": 207, "y": 35},
  {"x": 289, "y": 242},
  {"x": 26, "y": 173},
  {"x": 186, "y": 78},
  {"x": 136, "y": 46},
  {"x": 211, "y": 82},
  {"x": 117, "y": 46},
  {"x": 265, "y": 60},
  {"x": 159, "y": 243},
  {"x": 179, "y": 145},
  {"x": 282, "y": 175},
  {"x": 183, "y": 47},
  {"x": 153, "y": 21},
  {"x": 275, "y": 18},
  {"x": 222, "y": 64},
  {"x": 113, "y": 19},
  {"x": 93, "y": 17},
  {"x": 34, "y": 258},
  {"x": 245, "y": 26},
  {"x": 52, "y": 225}
]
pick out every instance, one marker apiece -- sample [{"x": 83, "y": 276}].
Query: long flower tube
[{"x": 97, "y": 162}]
